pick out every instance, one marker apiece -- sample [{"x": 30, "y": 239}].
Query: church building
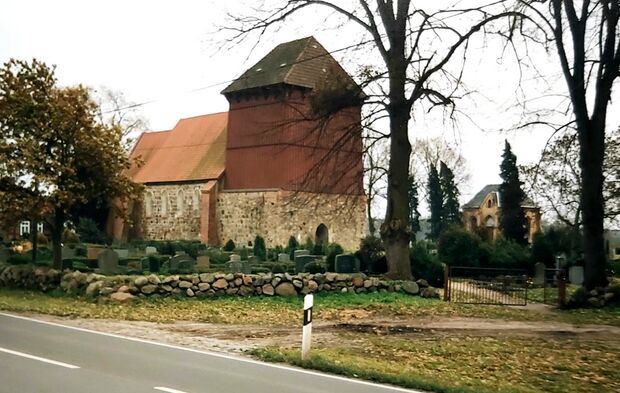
[{"x": 285, "y": 160}]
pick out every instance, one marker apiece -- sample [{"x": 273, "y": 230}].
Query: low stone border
[{"x": 122, "y": 288}]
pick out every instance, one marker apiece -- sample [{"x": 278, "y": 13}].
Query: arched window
[
  {"x": 489, "y": 203},
  {"x": 164, "y": 204},
  {"x": 148, "y": 204},
  {"x": 196, "y": 200},
  {"x": 473, "y": 222},
  {"x": 180, "y": 202},
  {"x": 489, "y": 222}
]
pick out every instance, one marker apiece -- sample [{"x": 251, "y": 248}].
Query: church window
[
  {"x": 180, "y": 203},
  {"x": 148, "y": 204},
  {"x": 164, "y": 204},
  {"x": 489, "y": 222},
  {"x": 40, "y": 227},
  {"x": 489, "y": 203},
  {"x": 196, "y": 200}
]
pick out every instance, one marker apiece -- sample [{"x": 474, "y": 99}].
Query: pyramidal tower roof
[{"x": 303, "y": 62}]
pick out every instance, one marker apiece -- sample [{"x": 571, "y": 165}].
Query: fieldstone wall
[
  {"x": 171, "y": 212},
  {"x": 122, "y": 288},
  {"x": 277, "y": 215}
]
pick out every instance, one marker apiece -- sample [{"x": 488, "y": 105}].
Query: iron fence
[{"x": 475, "y": 285}]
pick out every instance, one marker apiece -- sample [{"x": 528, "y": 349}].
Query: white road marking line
[
  {"x": 168, "y": 390},
  {"x": 25, "y": 355},
  {"x": 216, "y": 354}
]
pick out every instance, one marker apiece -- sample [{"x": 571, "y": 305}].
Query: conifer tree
[
  {"x": 512, "y": 219},
  {"x": 414, "y": 214},
  {"x": 450, "y": 214},
  {"x": 435, "y": 202}
]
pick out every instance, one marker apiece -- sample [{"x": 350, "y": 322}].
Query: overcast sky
[{"x": 163, "y": 51}]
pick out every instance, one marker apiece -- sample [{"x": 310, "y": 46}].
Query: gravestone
[
  {"x": 202, "y": 261},
  {"x": 68, "y": 252},
  {"x": 575, "y": 275},
  {"x": 298, "y": 253},
  {"x": 182, "y": 263},
  {"x": 539, "y": 274},
  {"x": 93, "y": 252},
  {"x": 284, "y": 258},
  {"x": 107, "y": 261},
  {"x": 347, "y": 264},
  {"x": 302, "y": 260},
  {"x": 150, "y": 250},
  {"x": 122, "y": 253},
  {"x": 234, "y": 266},
  {"x": 235, "y": 258},
  {"x": 4, "y": 254}
]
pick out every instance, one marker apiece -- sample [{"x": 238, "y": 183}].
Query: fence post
[
  {"x": 446, "y": 283},
  {"x": 306, "y": 338},
  {"x": 561, "y": 275}
]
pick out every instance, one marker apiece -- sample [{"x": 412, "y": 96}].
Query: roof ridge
[
  {"x": 297, "y": 59},
  {"x": 203, "y": 115}
]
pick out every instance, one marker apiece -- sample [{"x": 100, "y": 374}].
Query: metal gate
[{"x": 476, "y": 285}]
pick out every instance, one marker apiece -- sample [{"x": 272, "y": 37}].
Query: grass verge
[
  {"x": 467, "y": 364},
  {"x": 266, "y": 311}
]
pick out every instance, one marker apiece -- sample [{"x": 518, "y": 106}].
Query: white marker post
[{"x": 306, "y": 337}]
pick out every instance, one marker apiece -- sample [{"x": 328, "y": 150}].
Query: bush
[
  {"x": 332, "y": 250},
  {"x": 457, "y": 247},
  {"x": 229, "y": 246},
  {"x": 508, "y": 254},
  {"x": 370, "y": 253},
  {"x": 308, "y": 245},
  {"x": 216, "y": 256},
  {"x": 278, "y": 269},
  {"x": 70, "y": 237},
  {"x": 259, "y": 249},
  {"x": 426, "y": 265},
  {"x": 20, "y": 259},
  {"x": 42, "y": 239},
  {"x": 89, "y": 232},
  {"x": 314, "y": 267}
]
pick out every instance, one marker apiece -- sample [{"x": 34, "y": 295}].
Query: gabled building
[
  {"x": 481, "y": 214},
  {"x": 270, "y": 166}
]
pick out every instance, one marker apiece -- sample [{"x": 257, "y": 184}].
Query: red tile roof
[{"x": 193, "y": 150}]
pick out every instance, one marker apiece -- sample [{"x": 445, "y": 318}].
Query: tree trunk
[
  {"x": 592, "y": 146},
  {"x": 395, "y": 229},
  {"x": 371, "y": 223},
  {"x": 57, "y": 229},
  {"x": 34, "y": 236}
]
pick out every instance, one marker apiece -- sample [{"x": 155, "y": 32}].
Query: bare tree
[
  {"x": 116, "y": 110},
  {"x": 416, "y": 48},
  {"x": 375, "y": 179},
  {"x": 586, "y": 36},
  {"x": 434, "y": 151}
]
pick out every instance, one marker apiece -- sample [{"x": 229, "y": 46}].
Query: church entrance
[{"x": 321, "y": 235}]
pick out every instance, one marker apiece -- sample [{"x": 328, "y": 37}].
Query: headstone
[
  {"x": 575, "y": 275},
  {"x": 107, "y": 262},
  {"x": 235, "y": 258},
  {"x": 234, "y": 266},
  {"x": 4, "y": 254},
  {"x": 182, "y": 263},
  {"x": 302, "y": 260},
  {"x": 202, "y": 261},
  {"x": 68, "y": 252},
  {"x": 284, "y": 258},
  {"x": 122, "y": 253},
  {"x": 150, "y": 250},
  {"x": 298, "y": 253},
  {"x": 93, "y": 252},
  {"x": 539, "y": 274},
  {"x": 347, "y": 264}
]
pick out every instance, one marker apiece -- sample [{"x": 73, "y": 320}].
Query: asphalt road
[{"x": 37, "y": 356}]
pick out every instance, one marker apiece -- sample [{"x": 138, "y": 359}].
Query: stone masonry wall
[
  {"x": 276, "y": 215},
  {"x": 171, "y": 212}
]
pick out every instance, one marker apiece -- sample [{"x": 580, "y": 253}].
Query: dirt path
[{"x": 239, "y": 338}]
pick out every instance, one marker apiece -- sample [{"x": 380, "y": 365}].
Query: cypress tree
[
  {"x": 414, "y": 214},
  {"x": 451, "y": 214},
  {"x": 435, "y": 202},
  {"x": 512, "y": 219}
]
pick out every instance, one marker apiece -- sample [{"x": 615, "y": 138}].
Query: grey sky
[{"x": 162, "y": 51}]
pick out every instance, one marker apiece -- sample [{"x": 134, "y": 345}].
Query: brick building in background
[{"x": 270, "y": 166}]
